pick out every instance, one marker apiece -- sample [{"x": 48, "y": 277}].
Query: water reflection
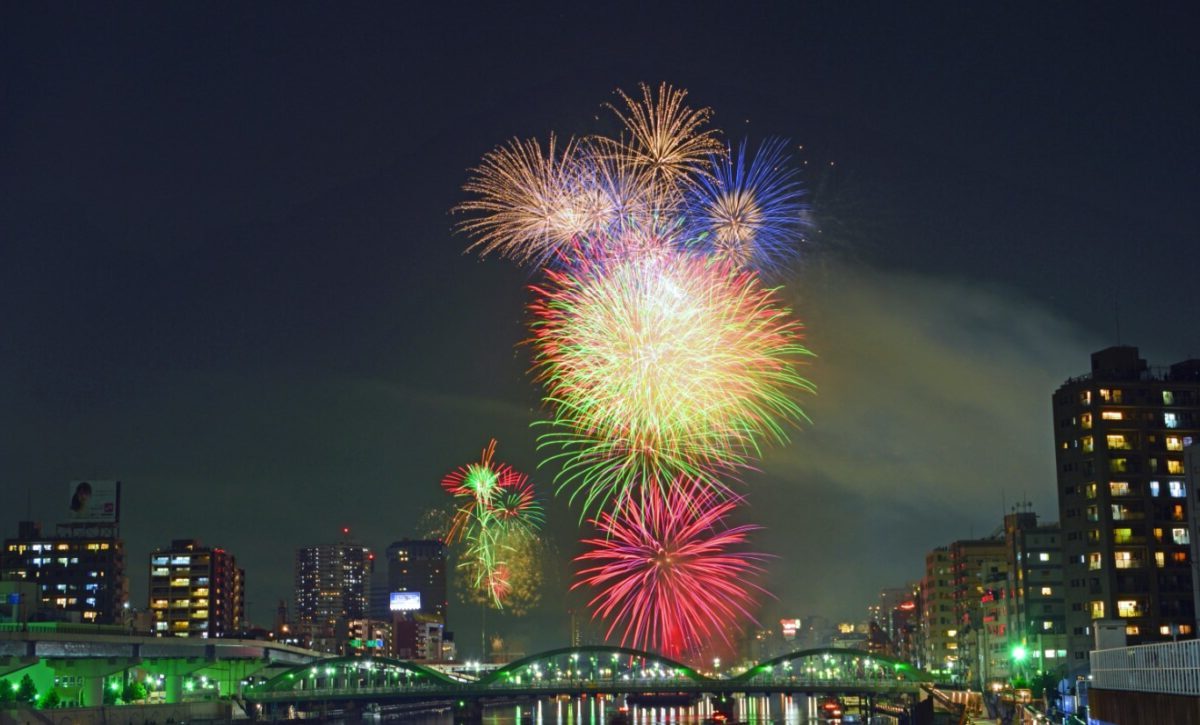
[{"x": 758, "y": 710}]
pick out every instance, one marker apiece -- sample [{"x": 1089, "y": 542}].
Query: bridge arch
[
  {"x": 835, "y": 663},
  {"x": 596, "y": 661},
  {"x": 354, "y": 672}
]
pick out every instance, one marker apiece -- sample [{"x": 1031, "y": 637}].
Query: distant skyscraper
[
  {"x": 420, "y": 566},
  {"x": 332, "y": 588},
  {"x": 80, "y": 573},
  {"x": 196, "y": 591},
  {"x": 1119, "y": 434}
]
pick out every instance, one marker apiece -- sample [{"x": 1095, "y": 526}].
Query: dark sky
[{"x": 228, "y": 275}]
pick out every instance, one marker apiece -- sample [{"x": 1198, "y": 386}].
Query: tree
[
  {"x": 50, "y": 701},
  {"x": 27, "y": 691},
  {"x": 8, "y": 691},
  {"x": 134, "y": 691}
]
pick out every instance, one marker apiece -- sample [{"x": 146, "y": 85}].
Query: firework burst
[
  {"x": 667, "y": 572},
  {"x": 496, "y": 506},
  {"x": 658, "y": 366},
  {"x": 752, "y": 213},
  {"x": 666, "y": 140}
]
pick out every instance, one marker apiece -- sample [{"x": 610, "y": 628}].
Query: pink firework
[{"x": 666, "y": 570}]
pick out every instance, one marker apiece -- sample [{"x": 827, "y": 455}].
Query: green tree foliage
[
  {"x": 134, "y": 692},
  {"x": 27, "y": 691},
  {"x": 7, "y": 692},
  {"x": 50, "y": 700}
]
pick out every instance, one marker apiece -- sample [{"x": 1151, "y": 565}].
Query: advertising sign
[
  {"x": 94, "y": 502},
  {"x": 405, "y": 601},
  {"x": 790, "y": 627}
]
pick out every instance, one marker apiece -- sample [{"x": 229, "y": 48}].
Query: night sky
[{"x": 229, "y": 276}]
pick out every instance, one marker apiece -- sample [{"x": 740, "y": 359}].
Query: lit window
[
  {"x": 1112, "y": 415},
  {"x": 1118, "y": 465},
  {"x": 1165, "y": 630},
  {"x": 1097, "y": 609},
  {"x": 1177, "y": 512},
  {"x": 1170, "y": 420},
  {"x": 1127, "y": 560},
  {"x": 1180, "y": 536},
  {"x": 1091, "y": 490},
  {"x": 1175, "y": 467},
  {"x": 1093, "y": 513},
  {"x": 1122, "y": 536},
  {"x": 1179, "y": 557},
  {"x": 1047, "y": 591},
  {"x": 1168, "y": 397},
  {"x": 1154, "y": 488},
  {"x": 1043, "y": 556},
  {"x": 1174, "y": 443},
  {"x": 1085, "y": 421},
  {"x": 1178, "y": 489},
  {"x": 1085, "y": 398},
  {"x": 1185, "y": 629},
  {"x": 1132, "y": 629},
  {"x": 1128, "y": 608},
  {"x": 1094, "y": 560},
  {"x": 1160, "y": 559},
  {"x": 1117, "y": 442},
  {"x": 1119, "y": 488}
]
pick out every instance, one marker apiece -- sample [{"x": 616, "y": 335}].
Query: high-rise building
[
  {"x": 938, "y": 624},
  {"x": 980, "y": 567},
  {"x": 1035, "y": 594},
  {"x": 80, "y": 574},
  {"x": 196, "y": 591},
  {"x": 1119, "y": 434},
  {"x": 332, "y": 588},
  {"x": 420, "y": 566}
]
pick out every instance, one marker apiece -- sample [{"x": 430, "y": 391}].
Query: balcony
[{"x": 1170, "y": 668}]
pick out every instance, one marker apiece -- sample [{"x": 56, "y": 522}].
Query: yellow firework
[{"x": 667, "y": 140}]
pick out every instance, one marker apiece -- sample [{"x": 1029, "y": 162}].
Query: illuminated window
[
  {"x": 1165, "y": 630},
  {"x": 1122, "y": 536},
  {"x": 1170, "y": 420},
  {"x": 1047, "y": 625},
  {"x": 1122, "y": 512},
  {"x": 1117, "y": 442},
  {"x": 1177, "y": 512},
  {"x": 1043, "y": 556},
  {"x": 1129, "y": 608},
  {"x": 1090, "y": 490},
  {"x": 1047, "y": 591},
  {"x": 1094, "y": 560},
  {"x": 1179, "y": 557},
  {"x": 1085, "y": 421},
  {"x": 1093, "y": 536},
  {"x": 1112, "y": 415},
  {"x": 1093, "y": 513},
  {"x": 1177, "y": 489},
  {"x": 1118, "y": 465},
  {"x": 1174, "y": 443},
  {"x": 1088, "y": 444},
  {"x": 1160, "y": 559},
  {"x": 1168, "y": 397},
  {"x": 1154, "y": 488},
  {"x": 1132, "y": 629},
  {"x": 1127, "y": 560},
  {"x": 1097, "y": 609},
  {"x": 1119, "y": 488},
  {"x": 1185, "y": 629},
  {"x": 1085, "y": 398},
  {"x": 1180, "y": 536},
  {"x": 1175, "y": 467}
]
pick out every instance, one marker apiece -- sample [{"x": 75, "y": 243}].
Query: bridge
[
  {"x": 88, "y": 656},
  {"x": 351, "y": 683}
]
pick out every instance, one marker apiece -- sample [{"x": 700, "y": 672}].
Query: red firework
[{"x": 666, "y": 570}]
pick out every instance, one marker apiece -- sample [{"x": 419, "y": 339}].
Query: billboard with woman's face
[{"x": 97, "y": 502}]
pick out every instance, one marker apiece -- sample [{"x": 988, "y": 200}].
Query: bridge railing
[{"x": 1170, "y": 668}]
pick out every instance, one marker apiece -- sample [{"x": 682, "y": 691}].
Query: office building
[
  {"x": 332, "y": 588},
  {"x": 196, "y": 591},
  {"x": 1120, "y": 432},
  {"x": 79, "y": 573},
  {"x": 420, "y": 566}
]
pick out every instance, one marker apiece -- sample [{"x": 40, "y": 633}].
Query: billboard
[
  {"x": 94, "y": 502},
  {"x": 790, "y": 627},
  {"x": 405, "y": 601}
]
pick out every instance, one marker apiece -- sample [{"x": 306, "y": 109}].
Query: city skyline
[{"x": 284, "y": 337}]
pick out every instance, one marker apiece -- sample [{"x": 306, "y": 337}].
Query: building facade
[
  {"x": 420, "y": 566},
  {"x": 79, "y": 574},
  {"x": 332, "y": 589},
  {"x": 1120, "y": 432},
  {"x": 196, "y": 591},
  {"x": 938, "y": 625},
  {"x": 1036, "y": 591}
]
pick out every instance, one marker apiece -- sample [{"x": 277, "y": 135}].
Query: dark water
[{"x": 599, "y": 711}]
